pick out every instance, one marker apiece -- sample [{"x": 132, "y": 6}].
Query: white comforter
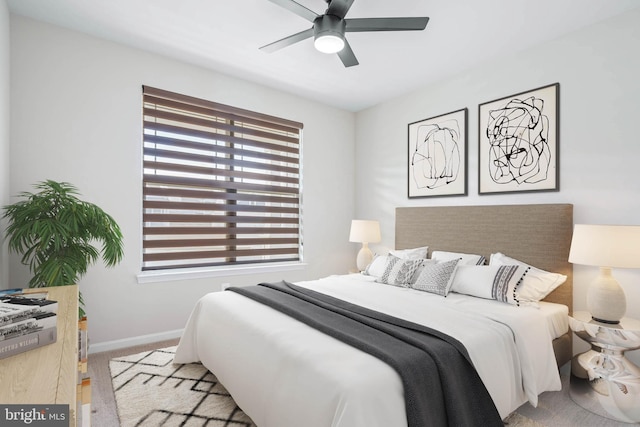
[{"x": 281, "y": 371}]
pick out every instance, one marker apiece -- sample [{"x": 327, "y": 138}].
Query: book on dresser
[
  {"x": 35, "y": 323},
  {"x": 26, "y": 323},
  {"x": 27, "y": 301},
  {"x": 22, "y": 343},
  {"x": 39, "y": 293}
]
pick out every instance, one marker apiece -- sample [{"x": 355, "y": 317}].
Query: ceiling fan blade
[
  {"x": 288, "y": 41},
  {"x": 339, "y": 8},
  {"x": 296, "y": 8},
  {"x": 386, "y": 24},
  {"x": 347, "y": 56}
]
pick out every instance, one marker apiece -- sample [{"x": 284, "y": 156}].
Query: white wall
[
  {"x": 84, "y": 96},
  {"x": 76, "y": 117},
  {"x": 4, "y": 133},
  {"x": 598, "y": 70}
]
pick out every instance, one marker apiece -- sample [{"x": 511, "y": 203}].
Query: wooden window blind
[{"x": 221, "y": 185}]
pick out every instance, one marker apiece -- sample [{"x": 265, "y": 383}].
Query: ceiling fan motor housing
[{"x": 329, "y": 25}]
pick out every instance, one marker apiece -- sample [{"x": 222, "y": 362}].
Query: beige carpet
[
  {"x": 150, "y": 390},
  {"x": 517, "y": 420}
]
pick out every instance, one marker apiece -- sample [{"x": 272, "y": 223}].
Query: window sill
[{"x": 202, "y": 273}]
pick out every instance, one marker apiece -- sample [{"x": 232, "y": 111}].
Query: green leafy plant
[{"x": 54, "y": 231}]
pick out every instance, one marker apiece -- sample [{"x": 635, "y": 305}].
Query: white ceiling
[{"x": 225, "y": 36}]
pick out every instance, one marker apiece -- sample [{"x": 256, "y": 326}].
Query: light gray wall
[
  {"x": 598, "y": 69},
  {"x": 76, "y": 117},
  {"x": 4, "y": 134}
]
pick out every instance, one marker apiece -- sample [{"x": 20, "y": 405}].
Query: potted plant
[{"x": 54, "y": 231}]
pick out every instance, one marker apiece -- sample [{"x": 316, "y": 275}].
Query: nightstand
[{"x": 603, "y": 380}]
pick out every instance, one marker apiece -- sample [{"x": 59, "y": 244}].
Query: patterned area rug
[{"x": 151, "y": 390}]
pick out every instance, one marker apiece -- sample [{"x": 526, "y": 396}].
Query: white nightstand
[{"x": 603, "y": 380}]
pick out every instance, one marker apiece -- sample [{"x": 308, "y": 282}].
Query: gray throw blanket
[{"x": 441, "y": 385}]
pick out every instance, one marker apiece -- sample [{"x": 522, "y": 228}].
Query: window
[{"x": 221, "y": 185}]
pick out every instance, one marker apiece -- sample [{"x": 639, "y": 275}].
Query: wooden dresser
[{"x": 47, "y": 374}]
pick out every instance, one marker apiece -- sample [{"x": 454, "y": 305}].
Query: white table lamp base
[
  {"x": 364, "y": 257},
  {"x": 605, "y": 298}
]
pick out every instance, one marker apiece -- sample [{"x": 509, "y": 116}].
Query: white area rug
[{"x": 151, "y": 390}]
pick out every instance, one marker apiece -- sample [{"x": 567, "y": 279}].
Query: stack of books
[{"x": 27, "y": 321}]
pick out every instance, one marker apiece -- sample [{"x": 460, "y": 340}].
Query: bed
[{"x": 283, "y": 373}]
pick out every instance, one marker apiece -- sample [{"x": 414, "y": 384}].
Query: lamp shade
[
  {"x": 364, "y": 231},
  {"x": 615, "y": 246}
]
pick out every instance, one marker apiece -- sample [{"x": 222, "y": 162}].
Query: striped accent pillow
[
  {"x": 498, "y": 282},
  {"x": 399, "y": 272},
  {"x": 537, "y": 284}
]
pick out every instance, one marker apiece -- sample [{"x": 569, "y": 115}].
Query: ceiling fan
[{"x": 329, "y": 29}]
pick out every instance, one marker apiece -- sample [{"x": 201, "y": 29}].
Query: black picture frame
[
  {"x": 518, "y": 142},
  {"x": 437, "y": 156}
]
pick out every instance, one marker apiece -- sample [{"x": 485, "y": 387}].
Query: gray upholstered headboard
[{"x": 539, "y": 235}]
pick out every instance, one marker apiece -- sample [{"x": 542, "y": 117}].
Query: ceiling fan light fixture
[
  {"x": 329, "y": 43},
  {"x": 328, "y": 33}
]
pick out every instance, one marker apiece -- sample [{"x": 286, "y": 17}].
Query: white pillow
[
  {"x": 465, "y": 259},
  {"x": 414, "y": 253},
  {"x": 377, "y": 266},
  {"x": 498, "y": 282},
  {"x": 537, "y": 284},
  {"x": 399, "y": 272},
  {"x": 435, "y": 278}
]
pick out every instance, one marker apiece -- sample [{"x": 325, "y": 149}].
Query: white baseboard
[{"x": 133, "y": 341}]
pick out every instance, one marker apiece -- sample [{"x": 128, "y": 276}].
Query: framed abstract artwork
[
  {"x": 518, "y": 142},
  {"x": 437, "y": 161}
]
